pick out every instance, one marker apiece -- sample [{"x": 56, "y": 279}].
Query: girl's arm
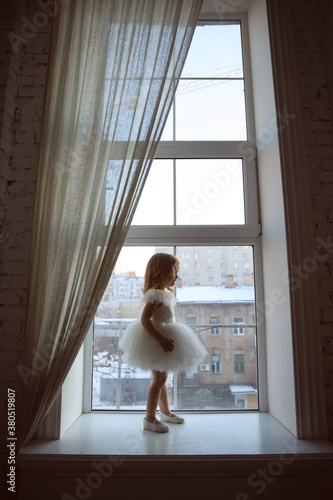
[{"x": 149, "y": 326}]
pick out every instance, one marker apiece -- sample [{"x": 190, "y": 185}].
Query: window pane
[
  {"x": 215, "y": 51},
  {"x": 227, "y": 378},
  {"x": 210, "y": 102},
  {"x": 210, "y": 110},
  {"x": 115, "y": 384},
  {"x": 209, "y": 192},
  {"x": 156, "y": 203}
]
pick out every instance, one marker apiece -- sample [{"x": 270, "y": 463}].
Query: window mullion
[{"x": 174, "y": 192}]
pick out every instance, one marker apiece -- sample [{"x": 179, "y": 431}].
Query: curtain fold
[{"x": 113, "y": 71}]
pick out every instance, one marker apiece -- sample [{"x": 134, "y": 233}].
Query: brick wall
[
  {"x": 22, "y": 82},
  {"x": 315, "y": 93}
]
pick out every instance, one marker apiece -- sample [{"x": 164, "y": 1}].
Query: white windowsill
[{"x": 203, "y": 437}]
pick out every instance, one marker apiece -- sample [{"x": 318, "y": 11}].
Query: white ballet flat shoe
[
  {"x": 173, "y": 420},
  {"x": 155, "y": 427}
]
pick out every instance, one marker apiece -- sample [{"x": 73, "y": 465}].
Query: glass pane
[
  {"x": 209, "y": 192},
  {"x": 115, "y": 384},
  {"x": 215, "y": 51},
  {"x": 210, "y": 110},
  {"x": 167, "y": 134},
  {"x": 156, "y": 203},
  {"x": 212, "y": 299},
  {"x": 210, "y": 103}
]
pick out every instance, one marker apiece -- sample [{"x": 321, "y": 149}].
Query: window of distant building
[
  {"x": 239, "y": 329},
  {"x": 215, "y": 329},
  {"x": 239, "y": 364},
  {"x": 215, "y": 364}
]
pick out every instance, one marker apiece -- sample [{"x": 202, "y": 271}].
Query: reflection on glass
[
  {"x": 215, "y": 298},
  {"x": 209, "y": 192}
]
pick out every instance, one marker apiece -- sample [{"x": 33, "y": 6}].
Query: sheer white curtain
[{"x": 113, "y": 70}]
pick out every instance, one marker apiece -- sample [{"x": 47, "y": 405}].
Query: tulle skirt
[{"x": 143, "y": 351}]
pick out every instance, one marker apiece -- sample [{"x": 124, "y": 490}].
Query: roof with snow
[
  {"x": 242, "y": 389},
  {"x": 215, "y": 294}
]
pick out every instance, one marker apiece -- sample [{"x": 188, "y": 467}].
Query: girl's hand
[
  {"x": 167, "y": 344},
  {"x": 148, "y": 310}
]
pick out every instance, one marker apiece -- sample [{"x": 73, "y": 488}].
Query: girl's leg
[
  {"x": 163, "y": 401},
  {"x": 159, "y": 379}
]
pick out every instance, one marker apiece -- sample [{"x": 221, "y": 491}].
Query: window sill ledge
[
  {"x": 110, "y": 456},
  {"x": 222, "y": 437}
]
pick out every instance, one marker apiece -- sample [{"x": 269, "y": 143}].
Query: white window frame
[
  {"x": 248, "y": 234},
  {"x": 167, "y": 235}
]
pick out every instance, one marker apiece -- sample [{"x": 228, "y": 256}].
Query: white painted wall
[
  {"x": 72, "y": 394},
  {"x": 280, "y": 376}
]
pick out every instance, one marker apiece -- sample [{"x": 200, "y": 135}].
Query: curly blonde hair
[{"x": 159, "y": 271}]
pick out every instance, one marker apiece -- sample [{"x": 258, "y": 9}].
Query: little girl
[{"x": 155, "y": 342}]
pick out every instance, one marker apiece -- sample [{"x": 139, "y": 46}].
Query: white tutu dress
[{"x": 142, "y": 350}]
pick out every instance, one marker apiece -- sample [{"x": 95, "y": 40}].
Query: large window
[{"x": 199, "y": 203}]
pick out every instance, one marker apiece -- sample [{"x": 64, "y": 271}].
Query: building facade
[{"x": 224, "y": 319}]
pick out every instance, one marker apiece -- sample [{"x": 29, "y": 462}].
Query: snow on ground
[{"x": 107, "y": 366}]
